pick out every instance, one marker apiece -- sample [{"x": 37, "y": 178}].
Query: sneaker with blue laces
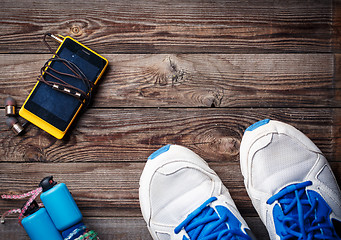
[
  {"x": 290, "y": 183},
  {"x": 182, "y": 198}
]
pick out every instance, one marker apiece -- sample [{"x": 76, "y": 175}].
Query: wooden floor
[{"x": 194, "y": 73}]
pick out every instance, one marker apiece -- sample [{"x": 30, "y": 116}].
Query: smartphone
[{"x": 52, "y": 110}]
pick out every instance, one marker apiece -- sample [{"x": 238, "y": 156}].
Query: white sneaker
[
  {"x": 182, "y": 198},
  {"x": 290, "y": 183}
]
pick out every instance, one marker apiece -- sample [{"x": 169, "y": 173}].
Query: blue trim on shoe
[
  {"x": 258, "y": 124},
  {"x": 159, "y": 152}
]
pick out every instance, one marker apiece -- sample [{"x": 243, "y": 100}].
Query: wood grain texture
[
  {"x": 110, "y": 189},
  {"x": 107, "y": 191},
  {"x": 336, "y": 26},
  {"x": 194, "y": 73},
  {"x": 125, "y": 135},
  {"x": 195, "y": 80},
  {"x": 103, "y": 189},
  {"x": 117, "y": 228},
  {"x": 337, "y": 77},
  {"x": 159, "y": 26},
  {"x": 107, "y": 194},
  {"x": 107, "y": 228}
]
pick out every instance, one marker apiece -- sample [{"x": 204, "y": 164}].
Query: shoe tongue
[
  {"x": 307, "y": 199},
  {"x": 218, "y": 223},
  {"x": 278, "y": 160},
  {"x": 291, "y": 198},
  {"x": 176, "y": 197},
  {"x": 322, "y": 213},
  {"x": 294, "y": 201},
  {"x": 206, "y": 228}
]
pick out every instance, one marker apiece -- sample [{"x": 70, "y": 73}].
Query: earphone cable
[{"x": 59, "y": 84}]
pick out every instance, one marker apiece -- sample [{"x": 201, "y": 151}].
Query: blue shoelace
[
  {"x": 302, "y": 215},
  {"x": 204, "y": 223}
]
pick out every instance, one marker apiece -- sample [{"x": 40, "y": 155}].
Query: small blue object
[
  {"x": 159, "y": 151},
  {"x": 39, "y": 226},
  {"x": 61, "y": 207},
  {"x": 258, "y": 124},
  {"x": 74, "y": 231}
]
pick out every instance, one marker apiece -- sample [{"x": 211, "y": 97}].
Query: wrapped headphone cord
[{"x": 60, "y": 85}]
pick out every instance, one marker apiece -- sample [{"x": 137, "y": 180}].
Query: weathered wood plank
[
  {"x": 336, "y": 33},
  {"x": 125, "y": 135},
  {"x": 110, "y": 189},
  {"x": 119, "y": 228},
  {"x": 192, "y": 80},
  {"x": 168, "y": 27},
  {"x": 107, "y": 194},
  {"x": 104, "y": 189},
  {"x": 103, "y": 156},
  {"x": 107, "y": 229},
  {"x": 337, "y": 77}
]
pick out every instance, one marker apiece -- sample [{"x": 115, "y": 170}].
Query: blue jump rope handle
[
  {"x": 61, "y": 207},
  {"x": 61, "y": 218},
  {"x": 39, "y": 226}
]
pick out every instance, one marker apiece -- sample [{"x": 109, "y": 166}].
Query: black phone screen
[{"x": 58, "y": 108}]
